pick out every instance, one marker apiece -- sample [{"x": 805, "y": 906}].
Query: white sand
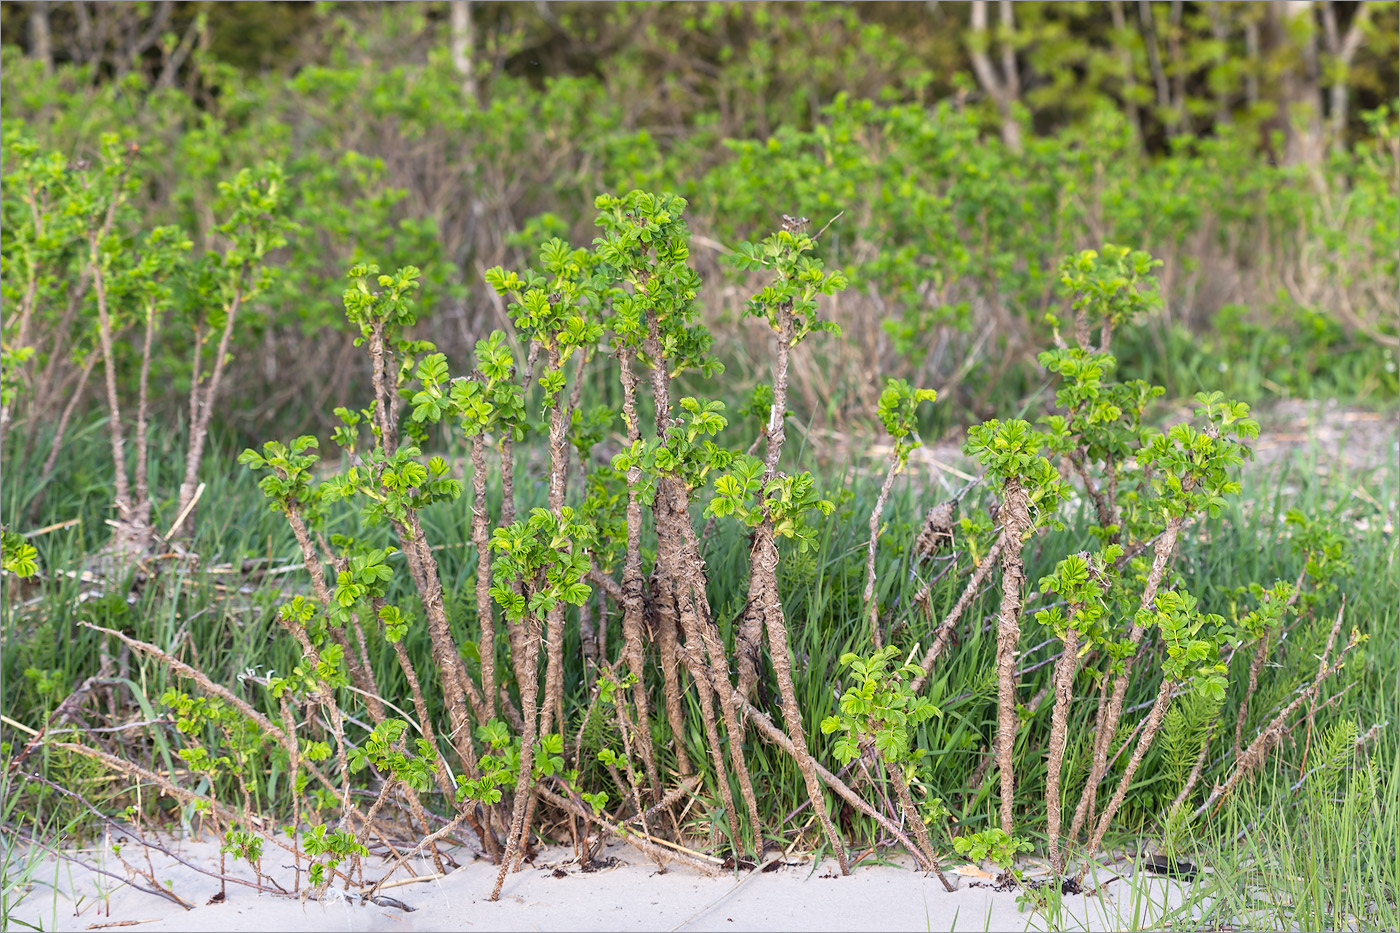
[{"x": 633, "y": 895}]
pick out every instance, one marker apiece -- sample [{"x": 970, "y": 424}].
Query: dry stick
[
  {"x": 1110, "y": 713},
  {"x": 199, "y": 428},
  {"x": 1063, "y": 682},
  {"x": 401, "y": 859},
  {"x": 63, "y": 713},
  {"x": 529, "y": 685},
  {"x": 146, "y": 844},
  {"x": 286, "y": 740},
  {"x": 872, "y": 609},
  {"x": 70, "y": 857},
  {"x": 647, "y": 846},
  {"x": 1254, "y": 755},
  {"x": 130, "y": 768},
  {"x": 1261, "y": 653},
  {"x": 631, "y": 591},
  {"x": 1198, "y": 768},
  {"x": 945, "y": 627},
  {"x": 109, "y": 371},
  {"x": 1015, "y": 512},
  {"x": 1361, "y": 742}
]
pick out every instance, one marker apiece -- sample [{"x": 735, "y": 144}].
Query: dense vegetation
[
  {"x": 1278, "y": 265},
  {"x": 548, "y": 562}
]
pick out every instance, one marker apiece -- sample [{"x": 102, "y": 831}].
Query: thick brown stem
[
  {"x": 682, "y": 580},
  {"x": 1064, "y": 683},
  {"x": 670, "y": 672},
  {"x": 485, "y": 611},
  {"x": 692, "y": 588},
  {"x": 765, "y": 564},
  {"x": 749, "y": 636},
  {"x": 529, "y": 686},
  {"x": 1107, "y": 724},
  {"x": 1015, "y": 511},
  {"x": 633, "y": 623}
]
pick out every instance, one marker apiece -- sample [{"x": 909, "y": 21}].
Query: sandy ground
[{"x": 554, "y": 894}]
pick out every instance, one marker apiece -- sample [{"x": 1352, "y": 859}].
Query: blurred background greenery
[{"x": 959, "y": 149}]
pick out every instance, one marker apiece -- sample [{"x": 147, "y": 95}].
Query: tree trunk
[
  {"x": 1299, "y": 91},
  {"x": 1002, "y": 86},
  {"x": 1342, "y": 50},
  {"x": 40, "y": 40},
  {"x": 462, "y": 47}
]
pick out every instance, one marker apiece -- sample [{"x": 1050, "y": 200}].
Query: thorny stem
[
  {"x": 1015, "y": 512},
  {"x": 950, "y": 621},
  {"x": 1063, "y": 685},
  {"x": 632, "y": 617},
  {"x": 872, "y": 608},
  {"x": 1107, "y": 722},
  {"x": 765, "y": 564},
  {"x": 529, "y": 705},
  {"x": 912, "y": 817},
  {"x": 1256, "y": 665},
  {"x": 485, "y": 609}
]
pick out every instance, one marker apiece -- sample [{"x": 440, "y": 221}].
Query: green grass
[{"x": 1302, "y": 865}]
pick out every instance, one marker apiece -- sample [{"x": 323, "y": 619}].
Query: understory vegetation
[{"x": 536, "y": 535}]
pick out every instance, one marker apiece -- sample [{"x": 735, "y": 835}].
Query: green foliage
[
  {"x": 789, "y": 303},
  {"x": 1192, "y": 640},
  {"x": 1190, "y": 469},
  {"x": 1113, "y": 285},
  {"x": 898, "y": 412},
  {"x": 788, "y": 500},
  {"x": 547, "y": 556},
  {"x": 991, "y": 844},
  {"x": 17, "y": 555},
  {"x": 879, "y": 712},
  {"x": 1009, "y": 451}
]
